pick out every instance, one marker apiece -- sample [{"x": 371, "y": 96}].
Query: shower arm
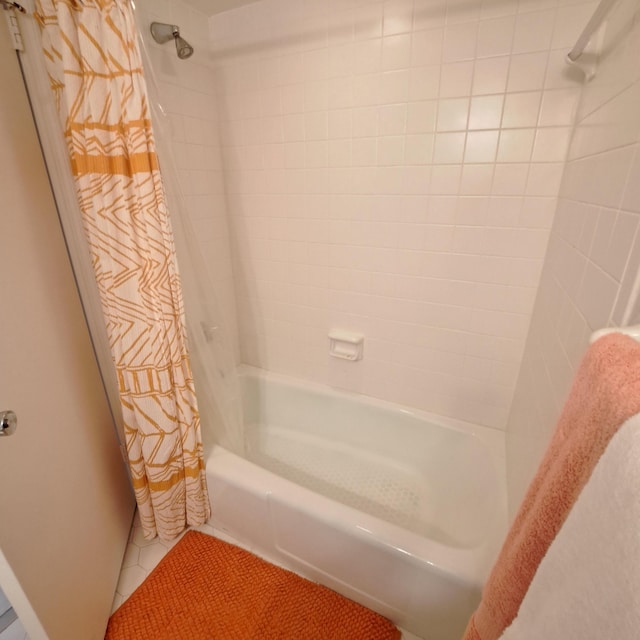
[
  {"x": 163, "y": 33},
  {"x": 596, "y": 20}
]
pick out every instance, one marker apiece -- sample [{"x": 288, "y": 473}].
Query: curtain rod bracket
[
  {"x": 598, "y": 17},
  {"x": 7, "y": 6}
]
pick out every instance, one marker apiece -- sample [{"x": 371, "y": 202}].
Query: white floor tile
[
  {"x": 130, "y": 579},
  {"x": 14, "y": 631},
  {"x": 131, "y": 556},
  {"x": 117, "y": 601},
  {"x": 151, "y": 555}
]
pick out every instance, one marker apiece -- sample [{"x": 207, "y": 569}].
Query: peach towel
[
  {"x": 587, "y": 586},
  {"x": 605, "y": 393}
]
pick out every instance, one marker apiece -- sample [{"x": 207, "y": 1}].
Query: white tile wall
[
  {"x": 392, "y": 168},
  {"x": 186, "y": 91},
  {"x": 591, "y": 271}
]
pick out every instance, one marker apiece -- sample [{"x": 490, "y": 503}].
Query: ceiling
[{"x": 210, "y": 7}]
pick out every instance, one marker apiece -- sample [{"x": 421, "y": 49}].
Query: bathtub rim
[
  {"x": 469, "y": 564},
  {"x": 492, "y": 438}
]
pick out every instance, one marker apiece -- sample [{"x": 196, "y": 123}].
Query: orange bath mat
[{"x": 206, "y": 589}]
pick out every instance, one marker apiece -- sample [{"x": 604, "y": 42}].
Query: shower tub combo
[{"x": 397, "y": 509}]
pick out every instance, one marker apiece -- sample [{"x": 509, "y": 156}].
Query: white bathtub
[{"x": 397, "y": 509}]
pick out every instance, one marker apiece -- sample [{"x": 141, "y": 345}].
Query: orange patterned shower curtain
[{"x": 95, "y": 68}]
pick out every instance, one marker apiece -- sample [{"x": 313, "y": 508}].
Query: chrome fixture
[
  {"x": 162, "y": 33},
  {"x": 8, "y": 423},
  {"x": 7, "y": 6},
  {"x": 599, "y": 16}
]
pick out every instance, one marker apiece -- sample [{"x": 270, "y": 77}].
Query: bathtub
[{"x": 399, "y": 510}]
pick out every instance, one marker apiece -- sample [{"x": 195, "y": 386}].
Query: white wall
[
  {"x": 187, "y": 94},
  {"x": 392, "y": 168},
  {"x": 593, "y": 259}
]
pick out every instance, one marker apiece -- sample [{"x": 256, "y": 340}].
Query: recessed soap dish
[{"x": 346, "y": 345}]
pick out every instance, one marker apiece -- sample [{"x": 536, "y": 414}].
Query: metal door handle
[{"x": 8, "y": 423}]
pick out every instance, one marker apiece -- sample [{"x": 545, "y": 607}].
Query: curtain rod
[{"x": 596, "y": 20}]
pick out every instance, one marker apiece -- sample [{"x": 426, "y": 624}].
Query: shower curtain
[{"x": 95, "y": 70}]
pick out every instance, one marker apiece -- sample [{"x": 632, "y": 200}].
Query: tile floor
[
  {"x": 140, "y": 558},
  {"x": 143, "y": 555},
  {"x": 15, "y": 631}
]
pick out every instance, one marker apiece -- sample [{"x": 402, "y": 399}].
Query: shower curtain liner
[
  {"x": 95, "y": 69},
  {"x": 210, "y": 342}
]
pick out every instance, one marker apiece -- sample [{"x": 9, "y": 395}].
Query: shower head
[
  {"x": 184, "y": 49},
  {"x": 162, "y": 33}
]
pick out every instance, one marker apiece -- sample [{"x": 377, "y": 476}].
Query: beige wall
[
  {"x": 392, "y": 169},
  {"x": 66, "y": 503},
  {"x": 591, "y": 270}
]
